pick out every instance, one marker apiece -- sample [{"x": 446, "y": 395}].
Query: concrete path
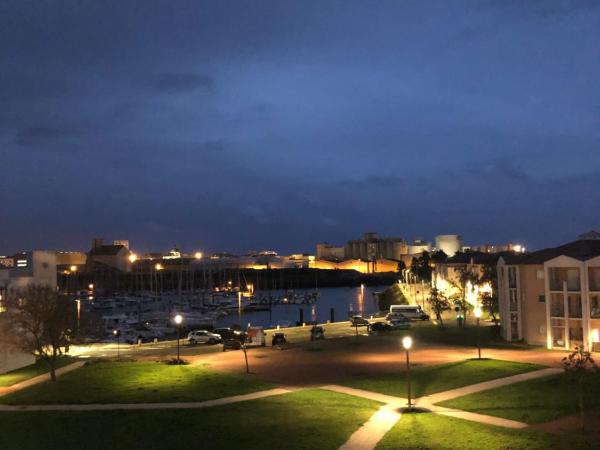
[
  {"x": 367, "y": 436},
  {"x": 383, "y": 398},
  {"x": 39, "y": 379},
  {"x": 154, "y": 406},
  {"x": 428, "y": 400},
  {"x": 481, "y": 418}
]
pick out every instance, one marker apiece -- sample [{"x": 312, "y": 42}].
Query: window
[
  {"x": 595, "y": 306},
  {"x": 594, "y": 277},
  {"x": 541, "y": 298},
  {"x": 560, "y": 275},
  {"x": 574, "y": 302},
  {"x": 514, "y": 304},
  {"x": 557, "y": 305},
  {"x": 512, "y": 277}
]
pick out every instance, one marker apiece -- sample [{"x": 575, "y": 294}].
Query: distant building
[
  {"x": 449, "y": 243},
  {"x": 29, "y": 268},
  {"x": 330, "y": 252},
  {"x": 33, "y": 267},
  {"x": 552, "y": 297},
  {"x": 372, "y": 247},
  {"x": 498, "y": 248},
  {"x": 108, "y": 256},
  {"x": 419, "y": 246}
]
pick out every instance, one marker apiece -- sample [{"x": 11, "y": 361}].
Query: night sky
[{"x": 237, "y": 125}]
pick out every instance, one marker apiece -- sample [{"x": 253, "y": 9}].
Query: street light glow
[
  {"x": 198, "y": 255},
  {"x": 178, "y": 319},
  {"x": 73, "y": 268},
  {"x": 158, "y": 266},
  {"x": 133, "y": 258},
  {"x": 477, "y": 312},
  {"x": 407, "y": 342}
]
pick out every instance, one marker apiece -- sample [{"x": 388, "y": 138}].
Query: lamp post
[
  {"x": 477, "y": 313},
  {"x": 407, "y": 344},
  {"x": 117, "y": 334},
  {"x": 178, "y": 320}
]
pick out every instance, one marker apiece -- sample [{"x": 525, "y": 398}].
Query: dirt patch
[{"x": 571, "y": 425}]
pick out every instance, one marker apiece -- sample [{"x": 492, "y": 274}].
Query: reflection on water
[{"x": 345, "y": 301}]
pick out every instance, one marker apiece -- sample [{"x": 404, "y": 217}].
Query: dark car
[
  {"x": 381, "y": 326},
  {"x": 359, "y": 321},
  {"x": 230, "y": 333},
  {"x": 231, "y": 344}
]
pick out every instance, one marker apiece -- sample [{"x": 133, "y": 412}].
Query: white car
[{"x": 203, "y": 337}]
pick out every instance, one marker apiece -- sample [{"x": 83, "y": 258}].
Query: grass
[
  {"x": 451, "y": 334},
  {"x": 432, "y": 431},
  {"x": 136, "y": 382},
  {"x": 39, "y": 368},
  {"x": 312, "y": 419},
  {"x": 534, "y": 401},
  {"x": 432, "y": 379}
]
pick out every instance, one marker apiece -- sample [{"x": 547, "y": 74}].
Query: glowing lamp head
[
  {"x": 91, "y": 286},
  {"x": 73, "y": 268},
  {"x": 133, "y": 258},
  {"x": 407, "y": 342},
  {"x": 178, "y": 319},
  {"x": 198, "y": 255},
  {"x": 477, "y": 312},
  {"x": 595, "y": 335},
  {"x": 158, "y": 266},
  {"x": 115, "y": 332}
]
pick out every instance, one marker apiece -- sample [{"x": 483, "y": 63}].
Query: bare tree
[
  {"x": 580, "y": 365},
  {"x": 38, "y": 321}
]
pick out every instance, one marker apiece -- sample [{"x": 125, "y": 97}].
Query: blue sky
[{"x": 237, "y": 125}]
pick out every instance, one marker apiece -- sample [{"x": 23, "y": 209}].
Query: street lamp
[
  {"x": 132, "y": 258},
  {"x": 407, "y": 344},
  {"x": 198, "y": 255},
  {"x": 117, "y": 334},
  {"x": 477, "y": 314},
  {"x": 178, "y": 320}
]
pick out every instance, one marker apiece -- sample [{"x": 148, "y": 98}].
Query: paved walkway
[
  {"x": 367, "y": 436},
  {"x": 485, "y": 386},
  {"x": 39, "y": 379},
  {"x": 139, "y": 406}
]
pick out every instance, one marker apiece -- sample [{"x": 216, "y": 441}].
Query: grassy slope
[
  {"x": 429, "y": 380},
  {"x": 136, "y": 382},
  {"x": 534, "y": 401},
  {"x": 432, "y": 431},
  {"x": 39, "y": 368},
  {"x": 301, "y": 420}
]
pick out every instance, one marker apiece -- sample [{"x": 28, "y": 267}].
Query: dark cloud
[
  {"x": 40, "y": 135},
  {"x": 237, "y": 125},
  {"x": 175, "y": 83}
]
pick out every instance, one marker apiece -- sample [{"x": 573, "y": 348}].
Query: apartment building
[{"x": 552, "y": 297}]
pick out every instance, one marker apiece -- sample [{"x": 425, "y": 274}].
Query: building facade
[{"x": 552, "y": 297}]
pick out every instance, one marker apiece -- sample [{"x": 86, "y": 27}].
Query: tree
[
  {"x": 421, "y": 267},
  {"x": 401, "y": 266},
  {"x": 581, "y": 366},
  {"x": 39, "y": 322},
  {"x": 438, "y": 304}
]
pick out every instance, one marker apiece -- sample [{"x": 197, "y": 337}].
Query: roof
[
  {"x": 582, "y": 250},
  {"x": 475, "y": 257},
  {"x": 107, "y": 250}
]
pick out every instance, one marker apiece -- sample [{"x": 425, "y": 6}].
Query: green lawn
[
  {"x": 136, "y": 382},
  {"x": 311, "y": 420},
  {"x": 432, "y": 431},
  {"x": 534, "y": 401},
  {"x": 432, "y": 379},
  {"x": 39, "y": 368}
]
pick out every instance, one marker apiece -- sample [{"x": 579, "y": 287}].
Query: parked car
[
  {"x": 278, "y": 339},
  {"x": 203, "y": 337},
  {"x": 399, "y": 323},
  {"x": 229, "y": 333},
  {"x": 231, "y": 344},
  {"x": 411, "y": 312},
  {"x": 381, "y": 326},
  {"x": 317, "y": 333},
  {"x": 359, "y": 321}
]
